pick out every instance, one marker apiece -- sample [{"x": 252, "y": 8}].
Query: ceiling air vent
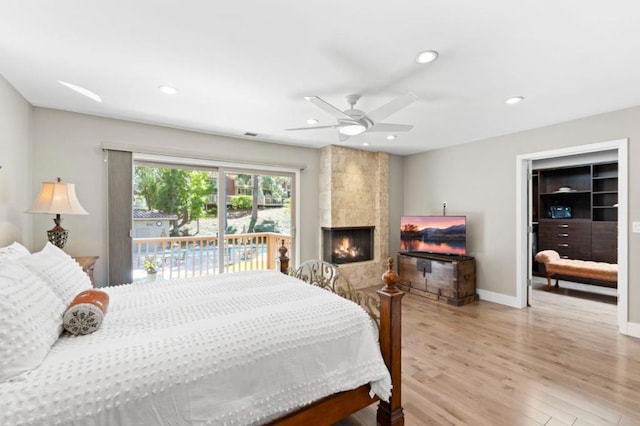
[{"x": 250, "y": 134}]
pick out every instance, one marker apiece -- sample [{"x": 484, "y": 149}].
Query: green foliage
[
  {"x": 241, "y": 202},
  {"x": 267, "y": 226},
  {"x": 146, "y": 184},
  {"x": 287, "y": 205},
  {"x": 274, "y": 186},
  {"x": 243, "y": 179},
  {"x": 182, "y": 192},
  {"x": 231, "y": 230}
]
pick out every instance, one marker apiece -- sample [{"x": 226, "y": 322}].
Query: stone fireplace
[
  {"x": 349, "y": 244},
  {"x": 354, "y": 193}
]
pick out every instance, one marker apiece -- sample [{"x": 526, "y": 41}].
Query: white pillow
[
  {"x": 63, "y": 274},
  {"x": 13, "y": 251},
  {"x": 30, "y": 319}
]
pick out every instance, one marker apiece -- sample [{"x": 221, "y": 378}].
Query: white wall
[
  {"x": 478, "y": 179},
  {"x": 69, "y": 145},
  {"x": 15, "y": 159}
]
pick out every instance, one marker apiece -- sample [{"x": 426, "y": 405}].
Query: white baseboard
[
  {"x": 500, "y": 298},
  {"x": 633, "y": 329}
]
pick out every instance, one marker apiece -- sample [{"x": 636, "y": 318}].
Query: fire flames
[{"x": 345, "y": 250}]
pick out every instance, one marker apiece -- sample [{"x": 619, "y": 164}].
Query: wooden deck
[{"x": 560, "y": 362}]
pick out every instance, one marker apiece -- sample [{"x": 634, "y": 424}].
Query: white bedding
[{"x": 231, "y": 349}]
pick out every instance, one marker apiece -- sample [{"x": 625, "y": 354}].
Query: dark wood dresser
[
  {"x": 589, "y": 228},
  {"x": 440, "y": 277}
]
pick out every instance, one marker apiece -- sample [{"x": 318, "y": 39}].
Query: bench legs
[{"x": 549, "y": 282}]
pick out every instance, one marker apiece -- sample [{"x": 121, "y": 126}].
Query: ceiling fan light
[
  {"x": 352, "y": 129},
  {"x": 426, "y": 56}
]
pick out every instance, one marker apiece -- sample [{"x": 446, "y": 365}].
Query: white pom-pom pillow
[
  {"x": 13, "y": 251},
  {"x": 30, "y": 319},
  {"x": 63, "y": 274}
]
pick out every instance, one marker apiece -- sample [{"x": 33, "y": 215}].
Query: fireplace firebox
[{"x": 347, "y": 244}]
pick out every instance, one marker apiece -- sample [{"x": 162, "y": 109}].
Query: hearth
[{"x": 347, "y": 244}]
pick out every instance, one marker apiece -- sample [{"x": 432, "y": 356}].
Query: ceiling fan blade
[
  {"x": 388, "y": 127},
  {"x": 314, "y": 127},
  {"x": 327, "y": 107},
  {"x": 395, "y": 105}
]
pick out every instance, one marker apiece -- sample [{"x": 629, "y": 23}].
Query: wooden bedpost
[
  {"x": 284, "y": 260},
  {"x": 391, "y": 413}
]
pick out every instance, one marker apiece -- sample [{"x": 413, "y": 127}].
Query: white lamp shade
[{"x": 57, "y": 198}]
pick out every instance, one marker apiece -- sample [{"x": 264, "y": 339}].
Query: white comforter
[{"x": 231, "y": 349}]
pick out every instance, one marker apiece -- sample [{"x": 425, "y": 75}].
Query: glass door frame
[{"x": 223, "y": 167}]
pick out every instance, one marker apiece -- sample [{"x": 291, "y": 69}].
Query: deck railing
[{"x": 179, "y": 257}]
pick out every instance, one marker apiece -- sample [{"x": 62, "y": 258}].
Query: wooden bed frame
[{"x": 333, "y": 408}]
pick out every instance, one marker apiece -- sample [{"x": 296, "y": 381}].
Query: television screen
[{"x": 434, "y": 234}]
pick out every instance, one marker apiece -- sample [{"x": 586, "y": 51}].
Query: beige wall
[
  {"x": 15, "y": 159},
  {"x": 69, "y": 145},
  {"x": 396, "y": 202},
  {"x": 478, "y": 180}
]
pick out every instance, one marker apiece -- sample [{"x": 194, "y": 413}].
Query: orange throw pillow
[{"x": 86, "y": 312}]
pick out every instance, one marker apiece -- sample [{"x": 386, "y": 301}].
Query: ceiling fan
[{"x": 352, "y": 122}]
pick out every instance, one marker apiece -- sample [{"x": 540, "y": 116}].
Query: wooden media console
[{"x": 437, "y": 276}]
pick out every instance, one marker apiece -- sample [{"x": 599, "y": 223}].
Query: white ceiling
[{"x": 245, "y": 66}]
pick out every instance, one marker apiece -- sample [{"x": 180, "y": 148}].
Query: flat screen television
[{"x": 434, "y": 234}]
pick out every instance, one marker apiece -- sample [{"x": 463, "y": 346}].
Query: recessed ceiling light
[
  {"x": 365, "y": 143},
  {"x": 168, "y": 90},
  {"x": 391, "y": 137},
  {"x": 426, "y": 56},
  {"x": 514, "y": 100},
  {"x": 312, "y": 121},
  {"x": 352, "y": 129},
  {"x": 86, "y": 92}
]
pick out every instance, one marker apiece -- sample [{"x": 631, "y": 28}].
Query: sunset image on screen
[{"x": 434, "y": 234}]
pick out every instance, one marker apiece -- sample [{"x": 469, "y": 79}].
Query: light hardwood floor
[{"x": 559, "y": 362}]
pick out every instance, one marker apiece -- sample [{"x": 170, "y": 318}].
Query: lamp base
[{"x": 57, "y": 235}]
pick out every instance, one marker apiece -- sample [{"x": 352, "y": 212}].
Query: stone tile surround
[{"x": 354, "y": 191}]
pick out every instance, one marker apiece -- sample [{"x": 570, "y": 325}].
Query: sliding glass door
[
  {"x": 193, "y": 218},
  {"x": 258, "y": 218}
]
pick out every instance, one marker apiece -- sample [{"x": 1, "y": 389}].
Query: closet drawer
[{"x": 570, "y": 238}]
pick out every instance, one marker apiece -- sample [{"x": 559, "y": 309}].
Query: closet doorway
[{"x": 525, "y": 165}]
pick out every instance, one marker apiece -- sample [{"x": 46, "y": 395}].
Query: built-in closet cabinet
[{"x": 577, "y": 211}]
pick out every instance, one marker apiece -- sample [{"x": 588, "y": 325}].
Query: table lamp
[{"x": 57, "y": 198}]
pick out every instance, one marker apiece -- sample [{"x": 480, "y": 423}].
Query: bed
[{"x": 257, "y": 347}]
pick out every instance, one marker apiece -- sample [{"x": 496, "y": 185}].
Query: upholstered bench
[{"x": 576, "y": 268}]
